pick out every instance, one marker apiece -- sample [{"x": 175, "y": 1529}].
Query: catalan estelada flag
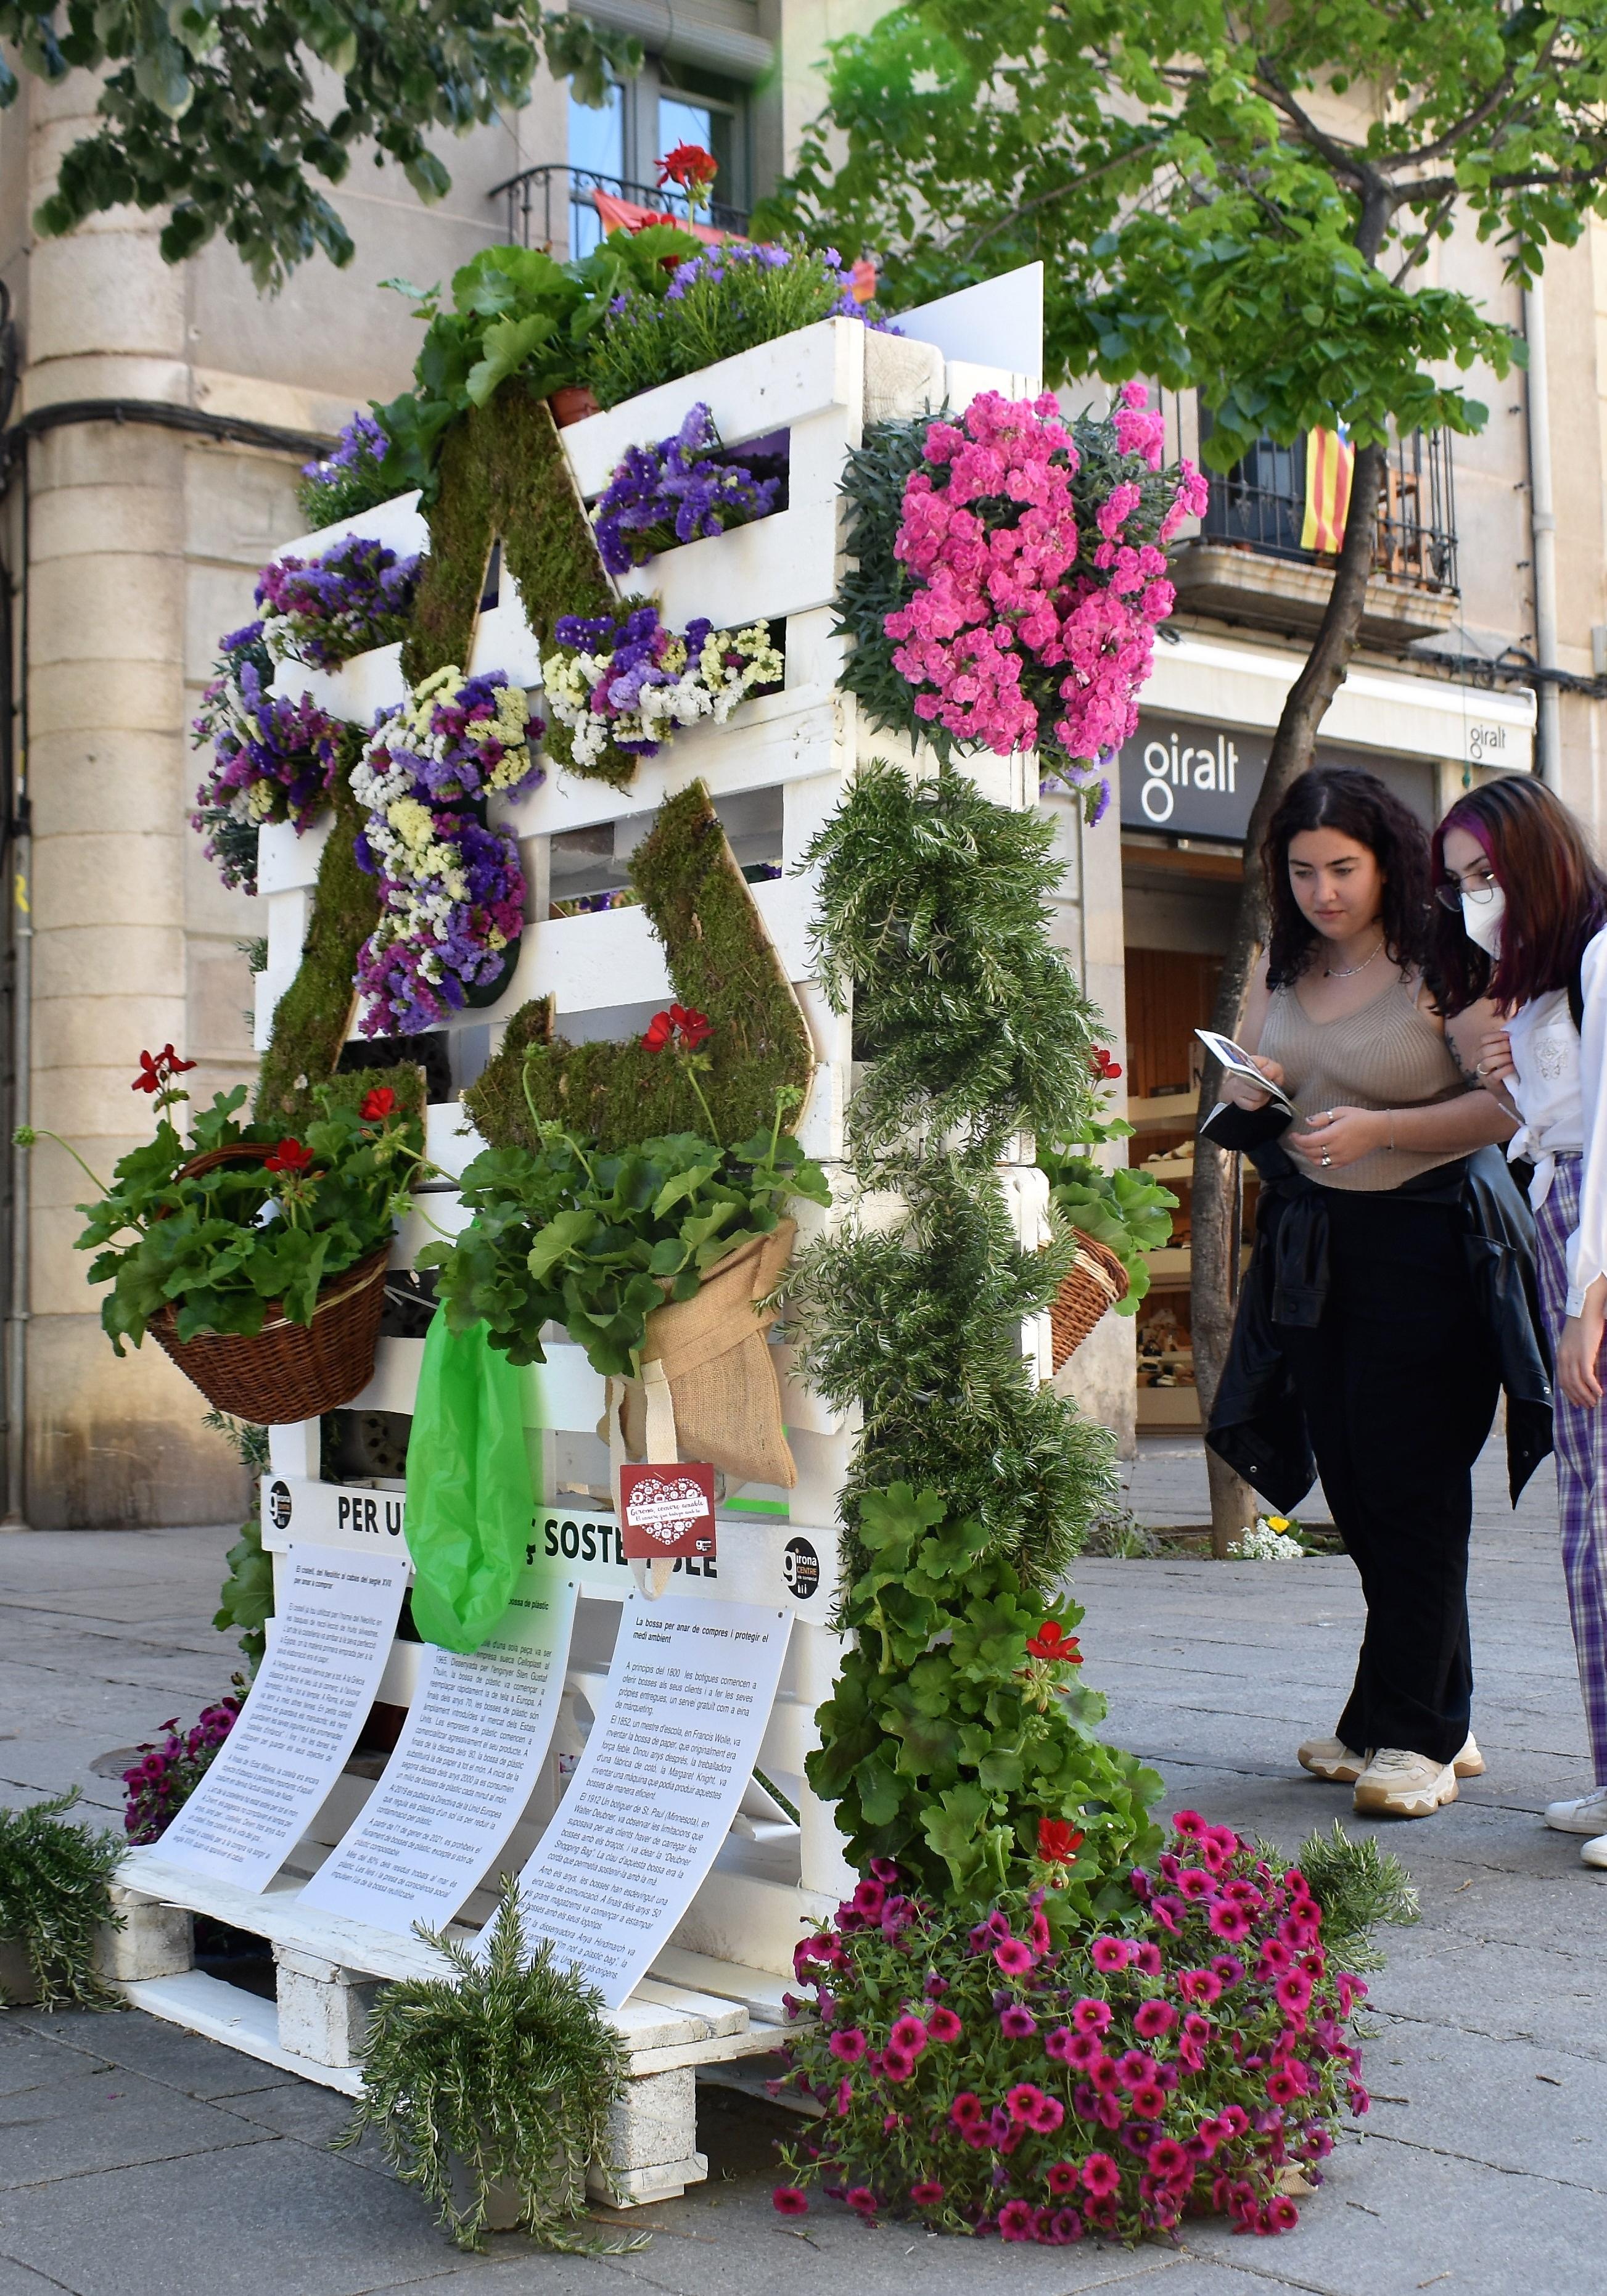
[{"x": 1330, "y": 459}]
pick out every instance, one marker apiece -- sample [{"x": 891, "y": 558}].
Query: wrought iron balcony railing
[
  {"x": 1261, "y": 504},
  {"x": 553, "y": 205}
]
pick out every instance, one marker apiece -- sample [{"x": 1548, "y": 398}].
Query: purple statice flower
[
  {"x": 460, "y": 737},
  {"x": 675, "y": 492},
  {"x": 273, "y": 758},
  {"x": 321, "y": 613},
  {"x": 453, "y": 909},
  {"x": 346, "y": 479}
]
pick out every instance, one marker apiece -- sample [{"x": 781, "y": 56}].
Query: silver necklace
[{"x": 1349, "y": 972}]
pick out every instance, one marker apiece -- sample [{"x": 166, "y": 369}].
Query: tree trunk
[{"x": 1214, "y": 1282}]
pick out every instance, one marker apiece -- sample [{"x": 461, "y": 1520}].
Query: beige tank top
[{"x": 1388, "y": 1055}]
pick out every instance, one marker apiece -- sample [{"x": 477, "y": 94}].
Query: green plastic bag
[{"x": 470, "y": 1497}]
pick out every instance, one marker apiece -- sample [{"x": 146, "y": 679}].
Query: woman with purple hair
[{"x": 1521, "y": 905}]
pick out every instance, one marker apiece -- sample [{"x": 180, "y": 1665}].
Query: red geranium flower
[
  {"x": 1052, "y": 1641},
  {"x": 378, "y": 1104},
  {"x": 861, "y": 280},
  {"x": 288, "y": 1156},
  {"x": 158, "y": 1070},
  {"x": 1057, "y": 1841},
  {"x": 689, "y": 165},
  {"x": 682, "y": 1026},
  {"x": 1104, "y": 1067}
]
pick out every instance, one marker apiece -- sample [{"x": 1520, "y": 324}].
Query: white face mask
[{"x": 1482, "y": 921}]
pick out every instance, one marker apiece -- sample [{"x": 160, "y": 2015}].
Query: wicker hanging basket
[
  {"x": 286, "y": 1371},
  {"x": 1095, "y": 1281}
]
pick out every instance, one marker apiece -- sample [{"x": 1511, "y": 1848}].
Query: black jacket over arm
[{"x": 1256, "y": 1424}]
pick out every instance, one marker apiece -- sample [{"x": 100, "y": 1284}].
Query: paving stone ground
[{"x": 137, "y": 2160}]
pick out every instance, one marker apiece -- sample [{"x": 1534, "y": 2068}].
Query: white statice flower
[{"x": 1268, "y": 1543}]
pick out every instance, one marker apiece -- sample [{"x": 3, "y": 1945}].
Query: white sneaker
[
  {"x": 1334, "y": 1762},
  {"x": 1595, "y": 1853},
  {"x": 1588, "y": 1814},
  {"x": 1469, "y": 1762},
  {"x": 1399, "y": 1783}
]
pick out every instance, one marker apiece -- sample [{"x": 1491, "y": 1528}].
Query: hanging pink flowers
[{"x": 1030, "y": 564}]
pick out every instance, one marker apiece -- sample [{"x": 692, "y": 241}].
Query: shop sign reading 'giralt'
[{"x": 1193, "y": 779}]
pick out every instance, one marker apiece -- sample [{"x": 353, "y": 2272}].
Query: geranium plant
[
  {"x": 623, "y": 684},
  {"x": 998, "y": 2069},
  {"x": 347, "y": 479},
  {"x": 1012, "y": 570},
  {"x": 321, "y": 612},
  {"x": 223, "y": 1246},
  {"x": 725, "y": 300},
  {"x": 677, "y": 491},
  {"x": 569, "y": 1235},
  {"x": 273, "y": 758},
  {"x": 959, "y": 1726}
]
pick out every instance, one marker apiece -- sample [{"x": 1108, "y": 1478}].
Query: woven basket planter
[
  {"x": 1095, "y": 1281},
  {"x": 286, "y": 1371}
]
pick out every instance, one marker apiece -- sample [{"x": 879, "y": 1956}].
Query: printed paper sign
[
  {"x": 309, "y": 1701},
  {"x": 670, "y": 1754},
  {"x": 464, "y": 1768},
  {"x": 667, "y": 1510}
]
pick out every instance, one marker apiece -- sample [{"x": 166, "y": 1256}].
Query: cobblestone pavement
[{"x": 137, "y": 2160}]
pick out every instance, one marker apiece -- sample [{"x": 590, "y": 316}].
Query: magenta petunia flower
[
  {"x": 943, "y": 2025},
  {"x": 860, "y": 2197},
  {"x": 1017, "y": 2022},
  {"x": 850, "y": 2044},
  {"x": 926, "y": 2195},
  {"x": 897, "y": 2064},
  {"x": 787, "y": 2201},
  {"x": 1014, "y": 1957},
  {"x": 1201, "y": 1985},
  {"x": 1148, "y": 2101},
  {"x": 1110, "y": 1954},
  {"x": 1167, "y": 2158},
  {"x": 1022, "y": 2100},
  {"x": 909, "y": 2034},
  {"x": 965, "y": 2110},
  {"x": 1229, "y": 1921},
  {"x": 1063, "y": 2178},
  {"x": 1151, "y": 2018},
  {"x": 1047, "y": 2115},
  {"x": 1091, "y": 2016},
  {"x": 1015, "y": 2220},
  {"x": 1101, "y": 2175}
]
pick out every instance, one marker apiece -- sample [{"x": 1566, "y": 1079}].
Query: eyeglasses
[{"x": 1450, "y": 892}]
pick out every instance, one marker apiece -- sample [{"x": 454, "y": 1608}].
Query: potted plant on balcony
[{"x": 256, "y": 1260}]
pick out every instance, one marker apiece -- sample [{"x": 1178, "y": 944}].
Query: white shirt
[{"x": 1559, "y": 1077}]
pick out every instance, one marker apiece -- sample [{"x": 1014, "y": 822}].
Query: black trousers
[{"x": 1399, "y": 1384}]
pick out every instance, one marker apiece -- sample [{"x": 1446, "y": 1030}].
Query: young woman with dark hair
[
  {"x": 1385, "y": 1301},
  {"x": 1523, "y": 906}
]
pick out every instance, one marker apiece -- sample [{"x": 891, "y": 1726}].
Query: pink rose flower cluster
[
  {"x": 1025, "y": 628},
  {"x": 982, "y": 2076}
]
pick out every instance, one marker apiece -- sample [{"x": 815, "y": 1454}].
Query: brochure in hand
[{"x": 1236, "y": 1062}]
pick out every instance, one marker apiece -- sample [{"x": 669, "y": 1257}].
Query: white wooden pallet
[{"x": 798, "y": 747}]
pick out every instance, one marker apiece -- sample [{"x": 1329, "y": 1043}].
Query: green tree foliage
[
  {"x": 225, "y": 115},
  {"x": 1207, "y": 214}
]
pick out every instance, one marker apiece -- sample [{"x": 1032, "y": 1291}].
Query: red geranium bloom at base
[
  {"x": 379, "y": 1103},
  {"x": 1057, "y": 1841},
  {"x": 288, "y": 1156},
  {"x": 157, "y": 1069},
  {"x": 1052, "y": 1641}
]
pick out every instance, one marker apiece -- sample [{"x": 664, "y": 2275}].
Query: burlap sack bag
[{"x": 709, "y": 1388}]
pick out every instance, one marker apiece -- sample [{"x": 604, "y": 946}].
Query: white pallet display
[{"x": 716, "y": 1991}]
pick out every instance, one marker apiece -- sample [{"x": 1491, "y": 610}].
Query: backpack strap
[{"x": 1576, "y": 990}]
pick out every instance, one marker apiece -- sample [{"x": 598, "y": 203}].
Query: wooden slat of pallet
[{"x": 240, "y": 2021}]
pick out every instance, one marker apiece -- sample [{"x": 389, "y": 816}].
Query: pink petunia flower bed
[{"x": 992, "y": 2077}]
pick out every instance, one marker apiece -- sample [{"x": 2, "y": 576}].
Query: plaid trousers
[{"x": 1581, "y": 1453}]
